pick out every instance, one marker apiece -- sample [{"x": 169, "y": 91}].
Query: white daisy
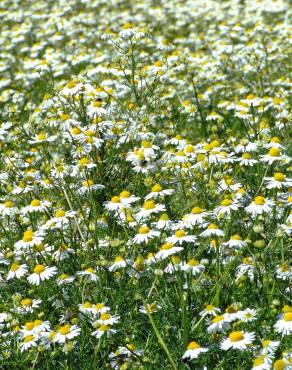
[
  {"x": 167, "y": 250},
  {"x": 181, "y": 237},
  {"x": 41, "y": 273},
  {"x": 284, "y": 324},
  {"x": 238, "y": 340},
  {"x": 193, "y": 351},
  {"x": 145, "y": 234},
  {"x": 259, "y": 206}
]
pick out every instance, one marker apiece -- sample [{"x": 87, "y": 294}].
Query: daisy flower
[
  {"x": 163, "y": 222},
  {"x": 27, "y": 342},
  {"x": 269, "y": 346},
  {"x": 148, "y": 209},
  {"x": 193, "y": 266},
  {"x": 89, "y": 274},
  {"x": 157, "y": 191},
  {"x": 35, "y": 327},
  {"x": 7, "y": 208},
  {"x": 103, "y": 330},
  {"x": 259, "y": 206},
  {"x": 167, "y": 250},
  {"x": 211, "y": 231},
  {"x": 16, "y": 271},
  {"x": 247, "y": 160},
  {"x": 262, "y": 362},
  {"x": 238, "y": 340},
  {"x": 219, "y": 323},
  {"x": 235, "y": 242},
  {"x": 196, "y": 217},
  {"x": 107, "y": 319},
  {"x": 210, "y": 310},
  {"x": 89, "y": 185},
  {"x": 180, "y": 237},
  {"x": 278, "y": 181},
  {"x": 193, "y": 351},
  {"x": 28, "y": 305},
  {"x": 145, "y": 234},
  {"x": 227, "y": 205},
  {"x": 118, "y": 263},
  {"x": 284, "y": 271},
  {"x": 41, "y": 273},
  {"x": 29, "y": 239},
  {"x": 66, "y": 332},
  {"x": 35, "y": 206},
  {"x": 247, "y": 315},
  {"x": 127, "y": 198},
  {"x": 284, "y": 324},
  {"x": 273, "y": 155},
  {"x": 61, "y": 219}
]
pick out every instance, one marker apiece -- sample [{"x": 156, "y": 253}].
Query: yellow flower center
[
  {"x": 144, "y": 230},
  {"x": 197, "y": 210},
  {"x": 115, "y": 199},
  {"x": 39, "y": 269},
  {"x": 218, "y": 318},
  {"x": 164, "y": 217},
  {"x": 166, "y": 246},
  {"x": 180, "y": 233},
  {"x": 75, "y": 131},
  {"x": 97, "y": 104},
  {"x": 279, "y": 176},
  {"x": 259, "y": 200},
  {"x": 119, "y": 259},
  {"x": 60, "y": 213},
  {"x": 274, "y": 152},
  {"x": 27, "y": 236},
  {"x": 35, "y": 203},
  {"x": 209, "y": 307},
  {"x": 246, "y": 156},
  {"x": 41, "y": 136},
  {"x": 8, "y": 204},
  {"x": 29, "y": 325},
  {"x": 193, "y": 262},
  {"x": 280, "y": 365},
  {"x": 104, "y": 328},
  {"x": 236, "y": 237},
  {"x": 28, "y": 338},
  {"x": 146, "y": 144},
  {"x": 193, "y": 345},
  {"x": 26, "y": 302},
  {"x": 65, "y": 329},
  {"x": 87, "y": 305},
  {"x": 156, "y": 188},
  {"x": 90, "y": 270},
  {"x": 14, "y": 267},
  {"x": 83, "y": 161},
  {"x": 259, "y": 360},
  {"x": 87, "y": 183},
  {"x": 226, "y": 202},
  {"x": 149, "y": 204},
  {"x": 125, "y": 194},
  {"x": 105, "y": 316},
  {"x": 71, "y": 84},
  {"x": 275, "y": 139},
  {"x": 288, "y": 316},
  {"x": 212, "y": 226},
  {"x": 236, "y": 336},
  {"x": 99, "y": 306},
  {"x": 266, "y": 342},
  {"x": 189, "y": 149}
]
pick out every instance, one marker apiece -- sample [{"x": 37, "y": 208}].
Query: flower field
[{"x": 145, "y": 185}]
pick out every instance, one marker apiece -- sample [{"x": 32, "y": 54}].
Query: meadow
[{"x": 145, "y": 185}]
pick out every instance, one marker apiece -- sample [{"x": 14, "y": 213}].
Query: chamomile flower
[
  {"x": 274, "y": 155},
  {"x": 238, "y": 340},
  {"x": 107, "y": 319},
  {"x": 212, "y": 230},
  {"x": 180, "y": 237},
  {"x": 163, "y": 222},
  {"x": 226, "y": 207},
  {"x": 41, "y": 273},
  {"x": 28, "y": 305},
  {"x": 149, "y": 208},
  {"x": 27, "y": 342},
  {"x": 259, "y": 206},
  {"x": 127, "y": 198},
  {"x": 219, "y": 323},
  {"x": 89, "y": 274},
  {"x": 236, "y": 242},
  {"x": 195, "y": 217},
  {"x": 278, "y": 181},
  {"x": 157, "y": 191},
  {"x": 103, "y": 330},
  {"x": 66, "y": 332},
  {"x": 17, "y": 271},
  {"x": 284, "y": 271},
  {"x": 167, "y": 250},
  {"x": 8, "y": 208},
  {"x": 145, "y": 234},
  {"x": 262, "y": 362},
  {"x": 193, "y": 266},
  {"x": 193, "y": 351},
  {"x": 29, "y": 239},
  {"x": 247, "y": 315},
  {"x": 89, "y": 185},
  {"x": 35, "y": 206},
  {"x": 118, "y": 263},
  {"x": 247, "y": 160},
  {"x": 210, "y": 310},
  {"x": 284, "y": 324}
]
